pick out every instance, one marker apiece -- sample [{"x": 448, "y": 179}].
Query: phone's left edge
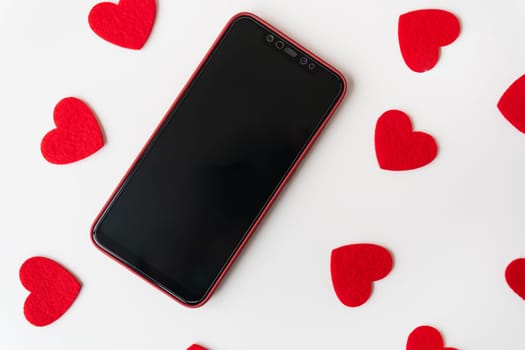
[{"x": 100, "y": 215}]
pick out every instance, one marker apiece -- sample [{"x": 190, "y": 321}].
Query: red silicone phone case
[{"x": 283, "y": 183}]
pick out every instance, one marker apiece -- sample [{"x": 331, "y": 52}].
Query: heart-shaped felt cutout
[
  {"x": 512, "y": 104},
  {"x": 515, "y": 276},
  {"x": 196, "y": 347},
  {"x": 53, "y": 290},
  {"x": 398, "y": 147},
  {"x": 127, "y": 24},
  {"x": 355, "y": 268},
  {"x": 426, "y": 338},
  {"x": 421, "y": 35},
  {"x": 76, "y": 136}
]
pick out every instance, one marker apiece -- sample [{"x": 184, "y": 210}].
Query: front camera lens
[
  {"x": 279, "y": 45},
  {"x": 311, "y": 66},
  {"x": 270, "y": 38},
  {"x": 303, "y": 61}
]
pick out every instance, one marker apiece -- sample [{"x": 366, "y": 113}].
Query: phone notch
[{"x": 300, "y": 58}]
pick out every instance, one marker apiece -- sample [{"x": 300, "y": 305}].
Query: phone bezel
[{"x": 235, "y": 254}]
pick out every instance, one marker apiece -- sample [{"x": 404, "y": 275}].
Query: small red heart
[
  {"x": 127, "y": 24},
  {"x": 355, "y": 268},
  {"x": 77, "y": 135},
  {"x": 512, "y": 104},
  {"x": 398, "y": 147},
  {"x": 426, "y": 338},
  {"x": 196, "y": 347},
  {"x": 421, "y": 34},
  {"x": 53, "y": 290},
  {"x": 515, "y": 276}
]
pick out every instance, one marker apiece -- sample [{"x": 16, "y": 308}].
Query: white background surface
[{"x": 452, "y": 226}]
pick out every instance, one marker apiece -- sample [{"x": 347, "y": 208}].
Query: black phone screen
[{"x": 217, "y": 159}]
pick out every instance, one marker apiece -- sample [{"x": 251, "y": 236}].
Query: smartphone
[{"x": 218, "y": 159}]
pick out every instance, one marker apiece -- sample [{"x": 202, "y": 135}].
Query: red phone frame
[{"x": 276, "y": 193}]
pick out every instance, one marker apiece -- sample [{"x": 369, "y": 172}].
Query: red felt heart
[
  {"x": 77, "y": 135},
  {"x": 426, "y": 338},
  {"x": 398, "y": 147},
  {"x": 127, "y": 24},
  {"x": 512, "y": 104},
  {"x": 355, "y": 267},
  {"x": 53, "y": 290},
  {"x": 515, "y": 276},
  {"x": 196, "y": 347},
  {"x": 421, "y": 34}
]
